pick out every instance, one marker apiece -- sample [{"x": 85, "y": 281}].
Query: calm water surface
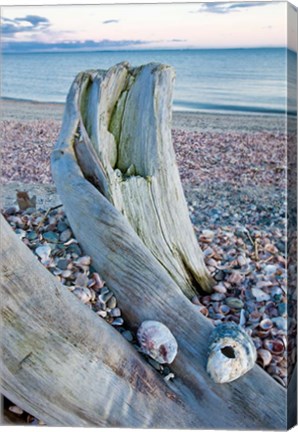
[{"x": 236, "y": 80}]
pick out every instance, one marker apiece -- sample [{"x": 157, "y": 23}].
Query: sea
[{"x": 247, "y": 81}]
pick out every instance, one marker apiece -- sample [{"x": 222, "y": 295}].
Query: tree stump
[{"x": 115, "y": 171}]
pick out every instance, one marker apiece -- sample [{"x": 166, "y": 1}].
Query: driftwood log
[{"x": 115, "y": 171}]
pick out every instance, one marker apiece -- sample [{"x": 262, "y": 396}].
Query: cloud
[
  {"x": 223, "y": 8},
  {"x": 35, "y": 20},
  {"x": 29, "y": 23},
  {"x": 90, "y": 45},
  {"x": 110, "y": 21},
  {"x": 177, "y": 40}
]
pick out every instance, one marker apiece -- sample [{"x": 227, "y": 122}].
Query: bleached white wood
[
  {"x": 64, "y": 364},
  {"x": 105, "y": 221}
]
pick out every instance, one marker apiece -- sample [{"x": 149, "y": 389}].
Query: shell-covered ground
[{"x": 234, "y": 182}]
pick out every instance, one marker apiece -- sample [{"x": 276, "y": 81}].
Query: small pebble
[
  {"x": 81, "y": 280},
  {"x": 65, "y": 235},
  {"x": 84, "y": 261},
  {"x": 16, "y": 410},
  {"x": 62, "y": 264},
  {"x": 169, "y": 376},
  {"x": 83, "y": 294},
  {"x": 62, "y": 226},
  {"x": 118, "y": 322},
  {"x": 281, "y": 323},
  {"x": 217, "y": 297},
  {"x": 220, "y": 288},
  {"x": 102, "y": 313},
  {"x": 105, "y": 297},
  {"x": 51, "y": 237},
  {"x": 112, "y": 303},
  {"x": 115, "y": 313},
  {"x": 31, "y": 235},
  {"x": 128, "y": 335},
  {"x": 66, "y": 274}
]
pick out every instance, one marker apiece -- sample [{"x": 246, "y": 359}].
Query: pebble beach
[{"x": 233, "y": 173}]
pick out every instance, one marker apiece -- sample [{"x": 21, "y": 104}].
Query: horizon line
[{"x": 66, "y": 51}]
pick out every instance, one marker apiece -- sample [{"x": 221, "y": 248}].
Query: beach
[{"x": 232, "y": 169}]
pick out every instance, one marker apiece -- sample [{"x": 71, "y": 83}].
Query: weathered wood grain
[
  {"x": 64, "y": 364},
  {"x": 126, "y": 113},
  {"x": 144, "y": 286}
]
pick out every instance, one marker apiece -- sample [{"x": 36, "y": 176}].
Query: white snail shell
[
  {"x": 157, "y": 341},
  {"x": 231, "y": 353}
]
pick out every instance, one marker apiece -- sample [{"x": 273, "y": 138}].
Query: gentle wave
[{"x": 194, "y": 106}]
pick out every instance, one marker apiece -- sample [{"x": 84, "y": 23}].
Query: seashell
[
  {"x": 81, "y": 280},
  {"x": 83, "y": 294},
  {"x": 66, "y": 274},
  {"x": 258, "y": 343},
  {"x": 105, "y": 297},
  {"x": 202, "y": 309},
  {"x": 280, "y": 380},
  {"x": 217, "y": 297},
  {"x": 231, "y": 353},
  {"x": 270, "y": 269},
  {"x": 157, "y": 341},
  {"x": 195, "y": 300},
  {"x": 65, "y": 235},
  {"x": 265, "y": 357},
  {"x": 169, "y": 376},
  {"x": 271, "y": 248},
  {"x": 275, "y": 346},
  {"x": 235, "y": 278},
  {"x": 260, "y": 295},
  {"x": 84, "y": 261},
  {"x": 266, "y": 324},
  {"x": 224, "y": 309},
  {"x": 242, "y": 318},
  {"x": 118, "y": 322},
  {"x": 15, "y": 409},
  {"x": 43, "y": 252},
  {"x": 207, "y": 236},
  {"x": 128, "y": 335},
  {"x": 281, "y": 323},
  {"x": 220, "y": 288},
  {"x": 234, "y": 303},
  {"x": 102, "y": 313},
  {"x": 115, "y": 313},
  {"x": 241, "y": 260},
  {"x": 255, "y": 317}
]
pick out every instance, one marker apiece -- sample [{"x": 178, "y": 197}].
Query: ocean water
[{"x": 234, "y": 80}]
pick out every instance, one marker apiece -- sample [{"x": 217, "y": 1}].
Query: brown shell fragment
[{"x": 265, "y": 357}]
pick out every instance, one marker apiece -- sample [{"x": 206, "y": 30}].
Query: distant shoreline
[
  {"x": 202, "y": 110},
  {"x": 25, "y": 110}
]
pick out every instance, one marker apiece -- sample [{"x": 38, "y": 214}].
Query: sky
[{"x": 144, "y": 26}]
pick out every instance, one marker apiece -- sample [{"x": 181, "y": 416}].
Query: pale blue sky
[{"x": 143, "y": 26}]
